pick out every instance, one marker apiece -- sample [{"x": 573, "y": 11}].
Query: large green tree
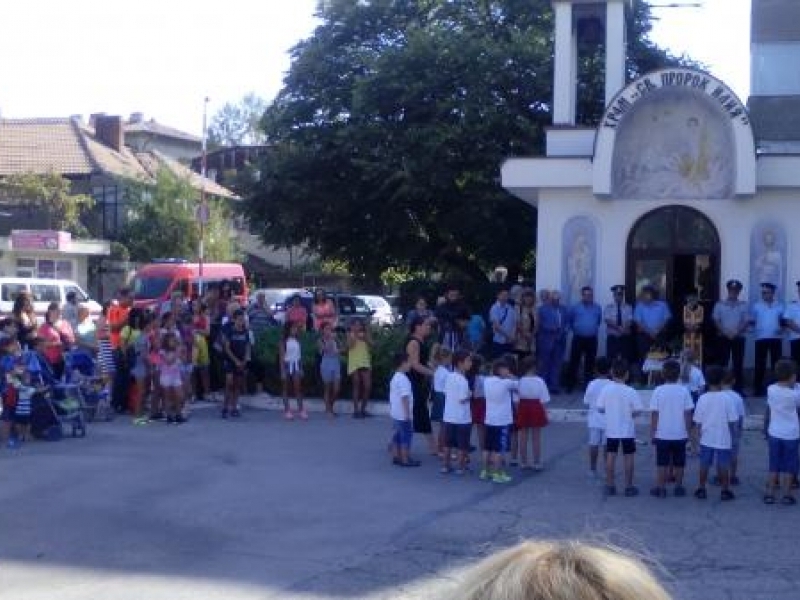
[
  {"x": 395, "y": 117},
  {"x": 237, "y": 123}
]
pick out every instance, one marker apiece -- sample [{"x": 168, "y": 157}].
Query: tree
[
  {"x": 387, "y": 139},
  {"x": 238, "y": 123},
  {"x": 51, "y": 194},
  {"x": 162, "y": 222}
]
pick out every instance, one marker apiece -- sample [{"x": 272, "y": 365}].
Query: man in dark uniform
[
  {"x": 618, "y": 316},
  {"x": 731, "y": 319}
]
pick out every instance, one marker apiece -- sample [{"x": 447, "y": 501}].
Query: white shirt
[
  {"x": 792, "y": 313},
  {"x": 399, "y": 388},
  {"x": 696, "y": 381},
  {"x": 783, "y": 403},
  {"x": 293, "y": 352},
  {"x": 439, "y": 377},
  {"x": 671, "y": 401},
  {"x": 500, "y": 393},
  {"x": 714, "y": 413},
  {"x": 532, "y": 387},
  {"x": 619, "y": 402},
  {"x": 594, "y": 418},
  {"x": 738, "y": 403},
  {"x": 456, "y": 399}
]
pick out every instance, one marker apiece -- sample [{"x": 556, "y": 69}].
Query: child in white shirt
[
  {"x": 715, "y": 416},
  {"x": 595, "y": 420},
  {"x": 621, "y": 404},
  {"x": 671, "y": 418},
  {"x": 442, "y": 358},
  {"x": 401, "y": 406},
  {"x": 500, "y": 390},
  {"x": 736, "y": 436},
  {"x": 783, "y": 399},
  {"x": 457, "y": 425},
  {"x": 531, "y": 415}
]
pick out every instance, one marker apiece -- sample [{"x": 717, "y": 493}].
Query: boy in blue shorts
[
  {"x": 783, "y": 400},
  {"x": 401, "y": 406},
  {"x": 715, "y": 417},
  {"x": 500, "y": 390}
]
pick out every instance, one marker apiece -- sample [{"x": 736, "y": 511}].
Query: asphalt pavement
[{"x": 260, "y": 508}]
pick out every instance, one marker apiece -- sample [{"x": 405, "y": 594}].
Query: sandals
[
  {"x": 789, "y": 500},
  {"x": 726, "y": 495},
  {"x": 700, "y": 493},
  {"x": 769, "y": 499}
]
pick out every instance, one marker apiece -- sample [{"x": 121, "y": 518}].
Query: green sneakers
[{"x": 501, "y": 477}]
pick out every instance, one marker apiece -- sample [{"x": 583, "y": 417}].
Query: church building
[{"x": 681, "y": 185}]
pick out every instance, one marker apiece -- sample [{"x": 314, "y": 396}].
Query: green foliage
[
  {"x": 162, "y": 222},
  {"x": 385, "y": 343},
  {"x": 387, "y": 139},
  {"x": 237, "y": 123},
  {"x": 51, "y": 193}
]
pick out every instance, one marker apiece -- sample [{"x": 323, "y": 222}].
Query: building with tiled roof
[{"x": 147, "y": 136}]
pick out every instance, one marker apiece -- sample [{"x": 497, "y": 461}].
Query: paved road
[{"x": 261, "y": 509}]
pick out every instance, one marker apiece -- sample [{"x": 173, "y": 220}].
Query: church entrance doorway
[{"x": 676, "y": 249}]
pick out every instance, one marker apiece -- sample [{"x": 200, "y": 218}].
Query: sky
[{"x": 164, "y": 57}]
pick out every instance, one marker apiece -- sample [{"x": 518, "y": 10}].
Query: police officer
[
  {"x": 584, "y": 321},
  {"x": 766, "y": 318},
  {"x": 551, "y": 319},
  {"x": 651, "y": 316},
  {"x": 618, "y": 316},
  {"x": 731, "y": 319}
]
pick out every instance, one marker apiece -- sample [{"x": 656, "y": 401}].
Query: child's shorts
[
  {"x": 710, "y": 456},
  {"x": 783, "y": 455},
  {"x": 22, "y": 420},
  {"x": 531, "y": 413},
  {"x": 597, "y": 436},
  {"x": 498, "y": 438},
  {"x": 403, "y": 433},
  {"x": 671, "y": 452},
  {"x": 456, "y": 435},
  {"x": 437, "y": 407},
  {"x": 628, "y": 445},
  {"x": 330, "y": 369},
  {"x": 477, "y": 407}
]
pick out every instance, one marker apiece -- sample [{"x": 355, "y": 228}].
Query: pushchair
[
  {"x": 63, "y": 399},
  {"x": 81, "y": 370}
]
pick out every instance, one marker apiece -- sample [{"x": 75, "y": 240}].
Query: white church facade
[{"x": 677, "y": 187}]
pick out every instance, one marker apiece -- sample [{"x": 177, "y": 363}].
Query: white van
[{"x": 43, "y": 292}]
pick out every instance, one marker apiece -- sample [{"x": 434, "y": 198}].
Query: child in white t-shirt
[
  {"x": 457, "y": 419},
  {"x": 442, "y": 361},
  {"x": 670, "y": 421},
  {"x": 595, "y": 420},
  {"x": 401, "y": 406},
  {"x": 501, "y": 393},
  {"x": 715, "y": 417},
  {"x": 621, "y": 404},
  {"x": 736, "y": 435},
  {"x": 531, "y": 414},
  {"x": 783, "y": 400}
]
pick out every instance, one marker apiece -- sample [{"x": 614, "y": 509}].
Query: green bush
[{"x": 385, "y": 343}]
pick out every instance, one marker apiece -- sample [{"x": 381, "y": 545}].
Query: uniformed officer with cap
[
  {"x": 791, "y": 320},
  {"x": 651, "y": 316},
  {"x": 766, "y": 319},
  {"x": 731, "y": 319},
  {"x": 618, "y": 316}
]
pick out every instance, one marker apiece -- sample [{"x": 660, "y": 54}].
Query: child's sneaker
[
  {"x": 501, "y": 478},
  {"x": 236, "y": 412},
  {"x": 141, "y": 421},
  {"x": 288, "y": 415},
  {"x": 445, "y": 470},
  {"x": 484, "y": 475},
  {"x": 538, "y": 466},
  {"x": 304, "y": 415}
]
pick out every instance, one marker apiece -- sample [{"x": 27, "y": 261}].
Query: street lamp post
[{"x": 203, "y": 212}]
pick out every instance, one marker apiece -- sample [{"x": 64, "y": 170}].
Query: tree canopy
[
  {"x": 237, "y": 123},
  {"x": 162, "y": 222},
  {"x": 388, "y": 136}
]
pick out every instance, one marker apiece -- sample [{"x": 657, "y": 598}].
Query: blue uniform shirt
[
  {"x": 551, "y": 319},
  {"x": 651, "y": 316},
  {"x": 766, "y": 319},
  {"x": 585, "y": 319},
  {"x": 505, "y": 316}
]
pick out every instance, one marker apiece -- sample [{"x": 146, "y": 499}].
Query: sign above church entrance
[{"x": 681, "y": 78}]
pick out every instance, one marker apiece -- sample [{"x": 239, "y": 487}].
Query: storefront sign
[{"x": 29, "y": 239}]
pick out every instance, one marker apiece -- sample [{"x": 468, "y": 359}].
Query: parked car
[
  {"x": 43, "y": 292},
  {"x": 348, "y": 307},
  {"x": 383, "y": 314}
]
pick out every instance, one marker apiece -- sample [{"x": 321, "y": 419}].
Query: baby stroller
[
  {"x": 81, "y": 370},
  {"x": 63, "y": 399}
]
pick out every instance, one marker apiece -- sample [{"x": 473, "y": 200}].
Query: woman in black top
[
  {"x": 25, "y": 319},
  {"x": 420, "y": 375}
]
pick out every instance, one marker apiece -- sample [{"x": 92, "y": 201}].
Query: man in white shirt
[
  {"x": 670, "y": 421},
  {"x": 783, "y": 400},
  {"x": 715, "y": 415},
  {"x": 621, "y": 404},
  {"x": 401, "y": 405}
]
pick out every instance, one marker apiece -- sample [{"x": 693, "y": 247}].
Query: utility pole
[{"x": 203, "y": 212}]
